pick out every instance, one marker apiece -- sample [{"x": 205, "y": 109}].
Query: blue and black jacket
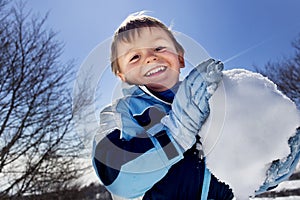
[{"x": 135, "y": 155}]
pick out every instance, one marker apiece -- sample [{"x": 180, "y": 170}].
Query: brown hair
[{"x": 124, "y": 33}]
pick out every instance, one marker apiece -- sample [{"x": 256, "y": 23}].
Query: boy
[{"x": 147, "y": 146}]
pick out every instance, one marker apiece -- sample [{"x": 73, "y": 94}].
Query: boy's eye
[
  {"x": 160, "y": 48},
  {"x": 134, "y": 57}
]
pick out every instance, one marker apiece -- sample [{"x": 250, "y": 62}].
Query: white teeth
[{"x": 162, "y": 68}]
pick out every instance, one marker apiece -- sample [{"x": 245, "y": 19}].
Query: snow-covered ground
[{"x": 291, "y": 185}]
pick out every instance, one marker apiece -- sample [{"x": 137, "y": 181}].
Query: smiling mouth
[{"x": 156, "y": 71}]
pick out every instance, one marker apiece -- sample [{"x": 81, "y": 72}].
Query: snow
[
  {"x": 291, "y": 185},
  {"x": 249, "y": 126},
  {"x": 89, "y": 175}
]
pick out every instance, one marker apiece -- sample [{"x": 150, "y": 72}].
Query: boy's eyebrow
[
  {"x": 125, "y": 53},
  {"x": 161, "y": 38}
]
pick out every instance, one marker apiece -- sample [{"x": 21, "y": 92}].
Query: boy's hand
[
  {"x": 211, "y": 71},
  {"x": 190, "y": 107}
]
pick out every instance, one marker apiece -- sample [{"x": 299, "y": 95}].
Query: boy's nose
[{"x": 151, "y": 58}]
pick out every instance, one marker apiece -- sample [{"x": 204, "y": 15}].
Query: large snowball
[{"x": 248, "y": 127}]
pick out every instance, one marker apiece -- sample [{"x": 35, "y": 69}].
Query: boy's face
[{"x": 150, "y": 59}]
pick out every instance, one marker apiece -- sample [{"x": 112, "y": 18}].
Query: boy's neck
[{"x": 166, "y": 95}]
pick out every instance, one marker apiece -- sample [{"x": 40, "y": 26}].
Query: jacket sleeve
[{"x": 128, "y": 159}]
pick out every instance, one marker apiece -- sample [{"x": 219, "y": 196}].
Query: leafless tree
[
  {"x": 286, "y": 73},
  {"x": 37, "y": 145}
]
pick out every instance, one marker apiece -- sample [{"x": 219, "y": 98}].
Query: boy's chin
[
  {"x": 158, "y": 87},
  {"x": 163, "y": 82}
]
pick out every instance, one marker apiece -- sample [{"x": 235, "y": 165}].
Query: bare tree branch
[
  {"x": 38, "y": 148},
  {"x": 286, "y": 73}
]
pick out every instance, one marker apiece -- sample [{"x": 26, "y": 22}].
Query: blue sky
[
  {"x": 239, "y": 33},
  {"x": 224, "y": 28}
]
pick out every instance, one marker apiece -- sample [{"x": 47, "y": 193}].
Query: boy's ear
[
  {"x": 181, "y": 60},
  {"x": 121, "y": 76}
]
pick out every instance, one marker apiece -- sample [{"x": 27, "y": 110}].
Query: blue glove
[
  {"x": 281, "y": 170},
  {"x": 190, "y": 107}
]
